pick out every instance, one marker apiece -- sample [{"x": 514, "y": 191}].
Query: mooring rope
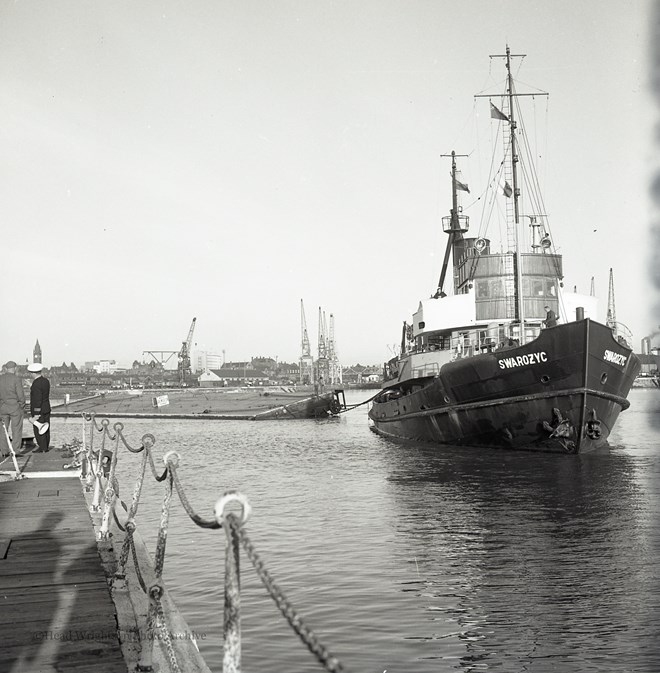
[{"x": 350, "y": 407}]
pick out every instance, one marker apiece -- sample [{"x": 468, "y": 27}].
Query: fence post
[{"x": 231, "y": 662}]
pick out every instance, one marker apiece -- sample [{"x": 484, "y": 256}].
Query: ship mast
[
  {"x": 517, "y": 270},
  {"x": 513, "y": 222},
  {"x": 455, "y": 224}
]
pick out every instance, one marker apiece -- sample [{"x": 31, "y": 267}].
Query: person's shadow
[{"x": 29, "y": 607}]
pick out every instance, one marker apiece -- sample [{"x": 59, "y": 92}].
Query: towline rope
[
  {"x": 355, "y": 406},
  {"x": 150, "y": 579}
]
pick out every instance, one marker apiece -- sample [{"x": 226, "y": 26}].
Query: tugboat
[{"x": 489, "y": 365}]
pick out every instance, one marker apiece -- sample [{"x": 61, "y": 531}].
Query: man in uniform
[
  {"x": 40, "y": 406},
  {"x": 12, "y": 401}
]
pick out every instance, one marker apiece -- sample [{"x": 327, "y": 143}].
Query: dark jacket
[
  {"x": 551, "y": 319},
  {"x": 40, "y": 397}
]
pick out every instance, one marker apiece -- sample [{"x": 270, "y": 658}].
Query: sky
[{"x": 166, "y": 160}]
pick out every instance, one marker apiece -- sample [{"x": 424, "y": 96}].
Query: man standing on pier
[
  {"x": 40, "y": 406},
  {"x": 12, "y": 401}
]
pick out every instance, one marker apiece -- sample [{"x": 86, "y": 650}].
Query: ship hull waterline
[{"x": 562, "y": 392}]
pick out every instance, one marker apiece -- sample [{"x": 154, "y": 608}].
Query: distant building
[
  {"x": 232, "y": 376},
  {"x": 202, "y": 361},
  {"x": 66, "y": 375},
  {"x": 101, "y": 366},
  {"x": 36, "y": 353},
  {"x": 650, "y": 364},
  {"x": 288, "y": 372},
  {"x": 359, "y": 374}
]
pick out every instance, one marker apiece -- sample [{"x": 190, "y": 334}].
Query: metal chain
[
  {"x": 123, "y": 556},
  {"x": 153, "y": 469},
  {"x": 147, "y": 439},
  {"x": 202, "y": 523},
  {"x": 114, "y": 515},
  {"x": 156, "y": 617},
  {"x": 329, "y": 662},
  {"x": 165, "y": 637},
  {"x": 159, "y": 559},
  {"x": 136, "y": 563}
]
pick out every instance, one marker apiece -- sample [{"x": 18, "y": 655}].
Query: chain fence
[{"x": 97, "y": 454}]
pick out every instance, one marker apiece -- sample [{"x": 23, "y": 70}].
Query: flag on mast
[
  {"x": 507, "y": 190},
  {"x": 496, "y": 113},
  {"x": 462, "y": 186}
]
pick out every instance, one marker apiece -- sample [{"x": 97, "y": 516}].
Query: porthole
[
  {"x": 446, "y": 400},
  {"x": 545, "y": 379},
  {"x": 603, "y": 378}
]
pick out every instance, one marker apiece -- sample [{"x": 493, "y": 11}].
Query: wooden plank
[
  {"x": 72, "y": 657},
  {"x": 51, "y": 578}
]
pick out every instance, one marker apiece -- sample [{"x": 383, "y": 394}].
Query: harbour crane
[
  {"x": 184, "y": 368},
  {"x": 619, "y": 331},
  {"x": 304, "y": 338},
  {"x": 322, "y": 364},
  {"x": 611, "y": 308},
  {"x": 306, "y": 359},
  {"x": 333, "y": 359}
]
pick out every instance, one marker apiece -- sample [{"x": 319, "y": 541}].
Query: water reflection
[
  {"x": 536, "y": 559},
  {"x": 407, "y": 558}
]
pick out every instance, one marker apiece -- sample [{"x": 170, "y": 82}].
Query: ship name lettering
[
  {"x": 616, "y": 358},
  {"x": 520, "y": 360}
]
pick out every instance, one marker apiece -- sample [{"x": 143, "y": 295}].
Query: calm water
[{"x": 402, "y": 557}]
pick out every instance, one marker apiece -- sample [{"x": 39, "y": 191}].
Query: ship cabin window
[
  {"x": 492, "y": 288},
  {"x": 539, "y": 287},
  {"x": 482, "y": 289},
  {"x": 434, "y": 342}
]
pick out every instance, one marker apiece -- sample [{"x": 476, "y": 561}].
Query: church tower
[{"x": 36, "y": 353}]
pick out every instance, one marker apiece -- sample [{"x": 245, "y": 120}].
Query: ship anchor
[
  {"x": 560, "y": 429},
  {"x": 592, "y": 426}
]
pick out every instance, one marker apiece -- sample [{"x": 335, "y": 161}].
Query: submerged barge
[{"x": 272, "y": 403}]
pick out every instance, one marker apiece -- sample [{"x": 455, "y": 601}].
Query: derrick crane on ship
[
  {"x": 184, "y": 368},
  {"x": 306, "y": 359}
]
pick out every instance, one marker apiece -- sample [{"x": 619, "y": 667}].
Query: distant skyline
[{"x": 223, "y": 160}]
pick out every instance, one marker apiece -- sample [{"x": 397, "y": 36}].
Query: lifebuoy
[{"x": 480, "y": 245}]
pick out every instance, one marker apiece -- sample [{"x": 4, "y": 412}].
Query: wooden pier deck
[{"x": 56, "y": 613}]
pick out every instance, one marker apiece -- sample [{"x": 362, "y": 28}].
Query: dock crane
[
  {"x": 306, "y": 359},
  {"x": 184, "y": 368},
  {"x": 611, "y": 308}
]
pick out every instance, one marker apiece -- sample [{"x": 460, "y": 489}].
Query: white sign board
[{"x": 161, "y": 401}]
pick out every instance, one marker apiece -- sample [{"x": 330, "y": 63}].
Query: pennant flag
[
  {"x": 462, "y": 186},
  {"x": 497, "y": 114},
  {"x": 506, "y": 190}
]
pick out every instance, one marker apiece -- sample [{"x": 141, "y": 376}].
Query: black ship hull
[{"x": 561, "y": 392}]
